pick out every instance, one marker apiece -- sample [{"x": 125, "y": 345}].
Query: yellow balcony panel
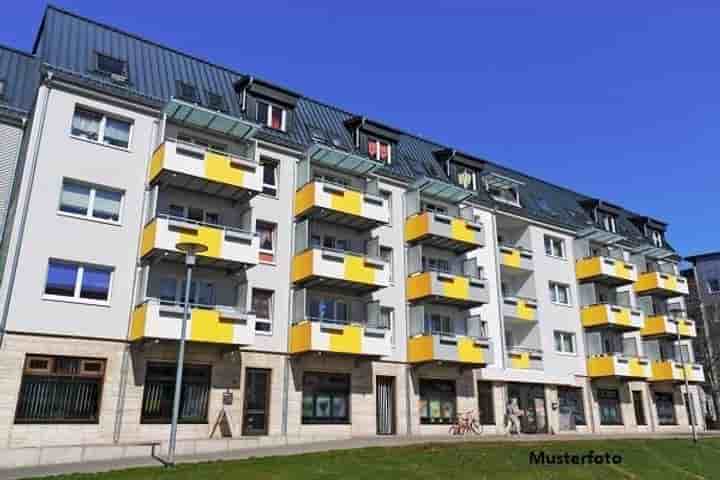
[
  {"x": 455, "y": 349},
  {"x": 443, "y": 231},
  {"x": 342, "y": 205},
  {"x": 196, "y": 168},
  {"x": 605, "y": 315},
  {"x": 337, "y": 269},
  {"x": 444, "y": 288},
  {"x": 349, "y": 339},
  {"x": 667, "y": 326},
  {"x": 618, "y": 366},
  {"x": 520, "y": 309},
  {"x": 661, "y": 284},
  {"x": 516, "y": 258},
  {"x": 525, "y": 358},
  {"x": 671, "y": 371},
  {"x": 226, "y": 247},
  {"x": 606, "y": 270},
  {"x": 223, "y": 325}
]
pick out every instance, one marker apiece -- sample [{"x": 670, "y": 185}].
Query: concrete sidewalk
[{"x": 125, "y": 463}]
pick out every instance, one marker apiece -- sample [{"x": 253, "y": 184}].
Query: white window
[
  {"x": 72, "y": 280},
  {"x": 554, "y": 247},
  {"x": 506, "y": 194},
  {"x": 262, "y": 306},
  {"x": 90, "y": 201},
  {"x": 657, "y": 238},
  {"x": 607, "y": 221},
  {"x": 266, "y": 231},
  {"x": 379, "y": 150},
  {"x": 386, "y": 253},
  {"x": 270, "y": 180},
  {"x": 559, "y": 293},
  {"x": 101, "y": 128},
  {"x": 388, "y": 198},
  {"x": 272, "y": 116},
  {"x": 564, "y": 342},
  {"x": 713, "y": 285}
]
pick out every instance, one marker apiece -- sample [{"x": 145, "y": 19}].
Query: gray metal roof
[
  {"x": 67, "y": 42},
  {"x": 19, "y": 71}
]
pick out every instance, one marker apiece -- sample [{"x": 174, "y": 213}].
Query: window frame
[
  {"x": 271, "y": 310},
  {"x": 264, "y": 161},
  {"x": 180, "y": 85},
  {"x": 607, "y": 221},
  {"x": 514, "y": 189},
  {"x": 77, "y": 288},
  {"x": 390, "y": 261},
  {"x": 617, "y": 404},
  {"x": 486, "y": 416},
  {"x": 170, "y": 382},
  {"x": 578, "y": 402},
  {"x": 563, "y": 335},
  {"x": 657, "y": 238},
  {"x": 223, "y": 107},
  {"x": 443, "y": 420},
  {"x": 110, "y": 74},
  {"x": 268, "y": 115},
  {"x": 91, "y": 201},
  {"x": 554, "y": 288},
  {"x": 205, "y": 213},
  {"x": 331, "y": 393},
  {"x": 664, "y": 420},
  {"x": 551, "y": 241},
  {"x": 101, "y": 127},
  {"x": 378, "y": 144}
]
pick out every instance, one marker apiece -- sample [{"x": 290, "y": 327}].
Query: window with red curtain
[
  {"x": 372, "y": 148},
  {"x": 276, "y": 117},
  {"x": 384, "y": 151}
]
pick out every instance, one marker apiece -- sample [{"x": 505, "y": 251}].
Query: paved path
[{"x": 124, "y": 463}]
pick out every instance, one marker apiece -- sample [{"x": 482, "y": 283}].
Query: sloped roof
[
  {"x": 19, "y": 71},
  {"x": 67, "y": 42}
]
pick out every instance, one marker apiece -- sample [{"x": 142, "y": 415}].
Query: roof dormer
[
  {"x": 373, "y": 139},
  {"x": 653, "y": 230},
  {"x": 603, "y": 213},
  {"x": 503, "y": 189},
  {"x": 270, "y": 106},
  {"x": 462, "y": 169}
]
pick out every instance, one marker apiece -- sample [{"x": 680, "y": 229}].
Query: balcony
[
  {"x": 661, "y": 284},
  {"x": 358, "y": 272},
  {"x": 607, "y": 270},
  {"x": 341, "y": 205},
  {"x": 516, "y": 258},
  {"x": 449, "y": 347},
  {"x": 619, "y": 366},
  {"x": 518, "y": 308},
  {"x": 447, "y": 288},
  {"x": 154, "y": 319},
  {"x": 199, "y": 169},
  {"x": 226, "y": 247},
  {"x": 606, "y": 315},
  {"x": 672, "y": 371},
  {"x": 668, "y": 325},
  {"x": 347, "y": 338},
  {"x": 525, "y": 358},
  {"x": 459, "y": 234}
]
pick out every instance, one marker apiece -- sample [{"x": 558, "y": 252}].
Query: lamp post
[
  {"x": 691, "y": 407},
  {"x": 191, "y": 249}
]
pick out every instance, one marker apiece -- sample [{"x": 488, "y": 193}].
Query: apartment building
[{"x": 355, "y": 280}]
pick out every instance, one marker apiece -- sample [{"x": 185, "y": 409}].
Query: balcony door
[{"x": 257, "y": 401}]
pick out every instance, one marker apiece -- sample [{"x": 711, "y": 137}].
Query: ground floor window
[
  {"x": 609, "y": 401},
  {"x": 639, "y": 407},
  {"x": 665, "y": 408},
  {"x": 60, "y": 390},
  {"x": 572, "y": 410},
  {"x": 486, "y": 410},
  {"x": 326, "y": 398},
  {"x": 437, "y": 401},
  {"x": 160, "y": 391}
]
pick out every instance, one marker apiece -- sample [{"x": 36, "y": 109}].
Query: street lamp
[
  {"x": 691, "y": 407},
  {"x": 190, "y": 249}
]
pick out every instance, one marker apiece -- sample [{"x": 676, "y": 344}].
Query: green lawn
[{"x": 661, "y": 459}]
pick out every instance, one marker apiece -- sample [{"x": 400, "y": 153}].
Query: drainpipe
[
  {"x": 498, "y": 283},
  {"x": 25, "y": 208}
]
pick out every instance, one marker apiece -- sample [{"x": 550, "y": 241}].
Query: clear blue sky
[{"x": 618, "y": 100}]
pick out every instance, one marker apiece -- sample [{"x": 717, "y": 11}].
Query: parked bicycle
[{"x": 466, "y": 422}]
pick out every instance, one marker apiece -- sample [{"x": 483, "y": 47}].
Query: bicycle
[{"x": 464, "y": 423}]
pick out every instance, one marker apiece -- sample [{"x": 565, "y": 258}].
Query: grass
[{"x": 663, "y": 459}]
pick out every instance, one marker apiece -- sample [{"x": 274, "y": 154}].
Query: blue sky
[{"x": 618, "y": 100}]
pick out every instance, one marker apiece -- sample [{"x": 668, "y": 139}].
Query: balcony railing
[
  {"x": 339, "y": 336},
  {"x": 524, "y": 358},
  {"x": 520, "y": 308},
  {"x": 318, "y": 266},
  {"x": 459, "y": 234},
  {"x": 158, "y": 319},
  {"x": 607, "y": 270},
  {"x": 226, "y": 247},
  {"x": 668, "y": 325},
  {"x": 440, "y": 346},
  {"x": 672, "y": 371},
  {"x": 516, "y": 257},
  {"x": 618, "y": 365},
  {"x": 664, "y": 285},
  {"x": 612, "y": 315},
  {"x": 447, "y": 288}
]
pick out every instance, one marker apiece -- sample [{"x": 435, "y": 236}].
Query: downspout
[
  {"x": 498, "y": 280},
  {"x": 25, "y": 208}
]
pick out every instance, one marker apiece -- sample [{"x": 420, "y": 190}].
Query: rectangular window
[
  {"x": 186, "y": 91},
  {"x": 262, "y": 306},
  {"x": 60, "y": 390},
  {"x": 387, "y": 315},
  {"x": 194, "y": 213},
  {"x": 272, "y": 116},
  {"x": 639, "y": 407},
  {"x": 386, "y": 253},
  {"x": 559, "y": 293},
  {"x": 388, "y": 198},
  {"x": 571, "y": 404},
  {"x": 713, "y": 285},
  {"x": 564, "y": 342},
  {"x": 437, "y": 401},
  {"x": 111, "y": 66},
  {"x": 160, "y": 389},
  {"x": 439, "y": 324},
  {"x": 101, "y": 128},
  {"x": 379, "y": 150},
  {"x": 607, "y": 221},
  {"x": 509, "y": 195},
  {"x": 554, "y": 247},
  {"x": 270, "y": 180},
  {"x": 90, "y": 201},
  {"x": 656, "y": 236},
  {"x": 609, "y": 401},
  {"x": 326, "y": 398},
  {"x": 665, "y": 408},
  {"x": 78, "y": 281},
  {"x": 266, "y": 232},
  {"x": 486, "y": 409},
  {"x": 215, "y": 101}
]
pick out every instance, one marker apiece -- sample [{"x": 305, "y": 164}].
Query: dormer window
[
  {"x": 607, "y": 221},
  {"x": 656, "y": 236},
  {"x": 187, "y": 92},
  {"x": 378, "y": 149},
  {"x": 464, "y": 176},
  {"x": 114, "y": 67},
  {"x": 215, "y": 101},
  {"x": 271, "y": 116},
  {"x": 502, "y": 188}
]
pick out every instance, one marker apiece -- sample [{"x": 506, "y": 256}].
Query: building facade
[{"x": 355, "y": 280}]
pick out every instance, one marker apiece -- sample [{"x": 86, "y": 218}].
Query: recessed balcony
[
  {"x": 618, "y": 366},
  {"x": 155, "y": 319},
  {"x": 342, "y": 205},
  {"x": 516, "y": 258},
  {"x": 607, "y": 315},
  {"x": 446, "y": 288},
  {"x": 227, "y": 247},
  {"x": 196, "y": 168},
  {"x": 330, "y": 268},
  {"x": 449, "y": 348},
  {"x": 316, "y": 335},
  {"x": 607, "y": 270},
  {"x": 672, "y": 371},
  {"x": 525, "y": 358},
  {"x": 458, "y": 234},
  {"x": 520, "y": 309},
  {"x": 661, "y": 284},
  {"x": 668, "y": 325}
]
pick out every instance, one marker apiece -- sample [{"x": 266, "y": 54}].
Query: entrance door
[
  {"x": 385, "y": 396},
  {"x": 257, "y": 400},
  {"x": 531, "y": 400}
]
